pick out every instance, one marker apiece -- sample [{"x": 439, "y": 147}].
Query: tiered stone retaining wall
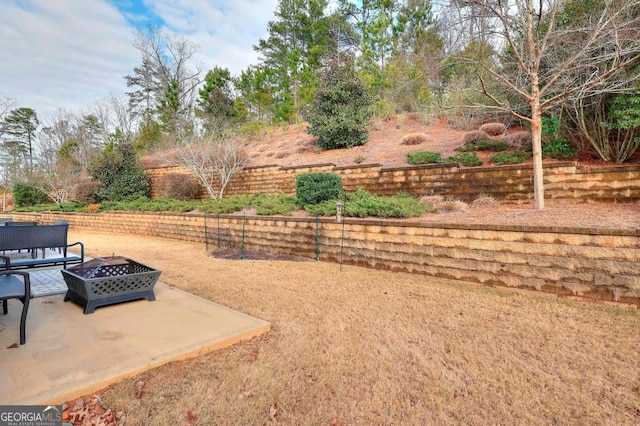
[
  {"x": 563, "y": 181},
  {"x": 601, "y": 264}
]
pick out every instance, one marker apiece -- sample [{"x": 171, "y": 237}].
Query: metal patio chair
[{"x": 13, "y": 288}]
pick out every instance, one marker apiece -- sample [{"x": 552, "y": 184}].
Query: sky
[{"x": 71, "y": 53}]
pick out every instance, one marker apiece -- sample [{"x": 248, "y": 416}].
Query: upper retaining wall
[
  {"x": 600, "y": 264},
  {"x": 563, "y": 181}
]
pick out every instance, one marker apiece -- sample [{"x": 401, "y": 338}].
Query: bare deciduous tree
[
  {"x": 6, "y": 165},
  {"x": 57, "y": 175},
  {"x": 165, "y": 80},
  {"x": 550, "y": 59},
  {"x": 212, "y": 159},
  {"x": 6, "y": 104}
]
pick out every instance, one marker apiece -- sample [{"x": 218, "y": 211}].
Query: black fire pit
[{"x": 106, "y": 280}]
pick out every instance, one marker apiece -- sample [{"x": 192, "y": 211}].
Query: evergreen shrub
[
  {"x": 485, "y": 145},
  {"x": 423, "y": 157},
  {"x": 26, "y": 194},
  {"x": 342, "y": 107},
  {"x": 313, "y": 188},
  {"x": 467, "y": 159},
  {"x": 510, "y": 157}
]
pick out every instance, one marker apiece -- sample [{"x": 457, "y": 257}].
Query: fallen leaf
[
  {"x": 97, "y": 399},
  {"x": 140, "y": 389},
  {"x": 108, "y": 416},
  {"x": 15, "y": 345},
  {"x": 78, "y": 405},
  {"x": 273, "y": 411},
  {"x": 245, "y": 394},
  {"x": 191, "y": 416}
]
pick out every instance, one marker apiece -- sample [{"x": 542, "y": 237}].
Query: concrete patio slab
[{"x": 69, "y": 354}]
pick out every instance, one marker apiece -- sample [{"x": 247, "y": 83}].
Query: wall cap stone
[
  {"x": 358, "y": 166},
  {"x": 266, "y": 166},
  {"x": 632, "y": 232},
  {"x": 606, "y": 169},
  {"x": 308, "y": 166},
  {"x": 420, "y": 167}
]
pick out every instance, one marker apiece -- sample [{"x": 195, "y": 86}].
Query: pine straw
[{"x": 368, "y": 347}]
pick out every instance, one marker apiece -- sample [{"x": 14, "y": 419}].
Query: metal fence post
[
  {"x": 244, "y": 219},
  {"x": 317, "y": 238},
  {"x": 206, "y": 234},
  {"x": 342, "y": 246}
]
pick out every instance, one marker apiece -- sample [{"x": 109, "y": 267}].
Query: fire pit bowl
[{"x": 107, "y": 280}]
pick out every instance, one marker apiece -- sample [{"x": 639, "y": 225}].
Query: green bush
[
  {"x": 313, "y": 188},
  {"x": 25, "y": 194},
  {"x": 357, "y": 204},
  {"x": 67, "y": 207},
  {"x": 553, "y": 145},
  {"x": 120, "y": 176},
  {"x": 271, "y": 205},
  {"x": 362, "y": 204},
  {"x": 325, "y": 208},
  {"x": 341, "y": 108},
  {"x": 558, "y": 148},
  {"x": 510, "y": 157},
  {"x": 485, "y": 145},
  {"x": 423, "y": 157},
  {"x": 467, "y": 159},
  {"x": 145, "y": 204},
  {"x": 264, "y": 204}
]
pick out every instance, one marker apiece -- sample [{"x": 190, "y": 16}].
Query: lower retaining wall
[{"x": 600, "y": 264}]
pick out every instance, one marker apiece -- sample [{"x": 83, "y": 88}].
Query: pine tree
[{"x": 21, "y": 125}]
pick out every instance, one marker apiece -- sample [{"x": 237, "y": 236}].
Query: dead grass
[
  {"x": 442, "y": 204},
  {"x": 362, "y": 347}
]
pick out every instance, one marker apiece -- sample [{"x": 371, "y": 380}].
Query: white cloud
[
  {"x": 71, "y": 53},
  {"x": 63, "y": 53},
  {"x": 225, "y": 30}
]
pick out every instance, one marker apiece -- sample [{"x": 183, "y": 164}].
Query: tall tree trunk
[{"x": 536, "y": 140}]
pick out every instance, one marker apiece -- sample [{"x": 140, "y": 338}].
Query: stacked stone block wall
[
  {"x": 563, "y": 181},
  {"x": 600, "y": 264}
]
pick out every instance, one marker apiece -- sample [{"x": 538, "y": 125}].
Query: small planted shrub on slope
[
  {"x": 423, "y": 157},
  {"x": 474, "y": 136},
  {"x": 414, "y": 139},
  {"x": 485, "y": 145},
  {"x": 467, "y": 159},
  {"x": 518, "y": 139},
  {"x": 494, "y": 129},
  {"x": 510, "y": 157}
]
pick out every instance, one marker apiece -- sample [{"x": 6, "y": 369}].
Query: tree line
[{"x": 334, "y": 67}]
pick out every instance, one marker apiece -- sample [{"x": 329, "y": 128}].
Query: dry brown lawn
[{"x": 365, "y": 347}]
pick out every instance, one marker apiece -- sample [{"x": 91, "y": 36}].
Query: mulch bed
[{"x": 235, "y": 254}]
